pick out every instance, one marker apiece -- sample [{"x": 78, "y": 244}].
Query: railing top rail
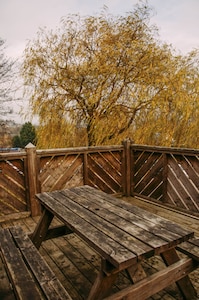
[
  {"x": 60, "y": 151},
  {"x": 12, "y": 155},
  {"x": 182, "y": 151}
]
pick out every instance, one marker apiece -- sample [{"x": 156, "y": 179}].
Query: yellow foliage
[{"x": 99, "y": 79}]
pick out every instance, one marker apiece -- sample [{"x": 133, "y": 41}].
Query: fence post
[
  {"x": 32, "y": 180},
  {"x": 85, "y": 167},
  {"x": 127, "y": 167},
  {"x": 165, "y": 176}
]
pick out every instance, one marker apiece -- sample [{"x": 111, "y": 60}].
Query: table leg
[
  {"x": 185, "y": 285},
  {"x": 136, "y": 273},
  {"x": 103, "y": 282},
  {"x": 42, "y": 227}
]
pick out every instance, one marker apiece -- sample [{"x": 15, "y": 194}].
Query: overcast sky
[{"x": 177, "y": 20}]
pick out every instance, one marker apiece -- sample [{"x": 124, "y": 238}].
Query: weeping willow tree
[
  {"x": 99, "y": 79},
  {"x": 173, "y": 118}
]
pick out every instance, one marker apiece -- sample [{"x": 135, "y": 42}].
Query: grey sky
[{"x": 177, "y": 20}]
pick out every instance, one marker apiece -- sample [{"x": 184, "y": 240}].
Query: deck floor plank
[{"x": 76, "y": 265}]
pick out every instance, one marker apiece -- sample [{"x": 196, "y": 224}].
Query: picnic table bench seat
[
  {"x": 29, "y": 274},
  {"x": 190, "y": 248}
]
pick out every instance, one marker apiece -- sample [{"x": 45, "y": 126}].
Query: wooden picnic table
[{"x": 123, "y": 235}]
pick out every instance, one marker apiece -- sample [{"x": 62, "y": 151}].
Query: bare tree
[{"x": 6, "y": 81}]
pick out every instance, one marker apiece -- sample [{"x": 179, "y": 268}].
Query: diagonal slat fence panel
[
  {"x": 104, "y": 171},
  {"x": 148, "y": 174},
  {"x": 12, "y": 186},
  {"x": 167, "y": 175},
  {"x": 186, "y": 192},
  {"x": 60, "y": 172}
]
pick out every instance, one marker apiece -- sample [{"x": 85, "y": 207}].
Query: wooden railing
[
  {"x": 169, "y": 176},
  {"x": 24, "y": 174}
]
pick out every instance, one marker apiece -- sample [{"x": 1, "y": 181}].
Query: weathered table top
[
  {"x": 119, "y": 231},
  {"x": 123, "y": 235}
]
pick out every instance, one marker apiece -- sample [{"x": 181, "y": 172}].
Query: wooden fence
[{"x": 169, "y": 176}]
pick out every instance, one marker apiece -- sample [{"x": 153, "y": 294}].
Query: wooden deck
[{"x": 76, "y": 265}]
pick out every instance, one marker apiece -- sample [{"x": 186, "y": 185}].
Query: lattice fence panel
[
  {"x": 148, "y": 174},
  {"x": 183, "y": 182},
  {"x": 60, "y": 172},
  {"x": 12, "y": 187},
  {"x": 105, "y": 171}
]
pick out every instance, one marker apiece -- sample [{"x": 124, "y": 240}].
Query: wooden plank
[
  {"x": 187, "y": 151},
  {"x": 101, "y": 172},
  {"x": 14, "y": 216},
  {"x": 75, "y": 282},
  {"x": 146, "y": 220},
  {"x": 41, "y": 229},
  {"x": 57, "y": 261},
  {"x": 85, "y": 168},
  {"x": 153, "y": 188},
  {"x": 136, "y": 272},
  {"x": 190, "y": 165},
  {"x": 190, "y": 248},
  {"x": 46, "y": 279},
  {"x": 156, "y": 282},
  {"x": 33, "y": 184},
  {"x": 192, "y": 177},
  {"x": 97, "y": 181},
  {"x": 57, "y": 232},
  {"x": 12, "y": 199},
  {"x": 81, "y": 272},
  {"x": 194, "y": 162},
  {"x": 127, "y": 167},
  {"x": 5, "y": 208},
  {"x": 67, "y": 170},
  {"x": 106, "y": 246},
  {"x": 6, "y": 293},
  {"x": 17, "y": 269},
  {"x": 125, "y": 220},
  {"x": 139, "y": 159},
  {"x": 155, "y": 235},
  {"x": 164, "y": 177},
  {"x": 194, "y": 241},
  {"x": 101, "y": 286},
  {"x": 152, "y": 175},
  {"x": 172, "y": 192},
  {"x": 184, "y": 284},
  {"x": 157, "y": 193},
  {"x": 179, "y": 179},
  {"x": 107, "y": 161},
  {"x": 110, "y": 229},
  {"x": 115, "y": 158},
  {"x": 11, "y": 169}
]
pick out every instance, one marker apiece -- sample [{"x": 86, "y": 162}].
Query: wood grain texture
[{"x": 30, "y": 275}]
